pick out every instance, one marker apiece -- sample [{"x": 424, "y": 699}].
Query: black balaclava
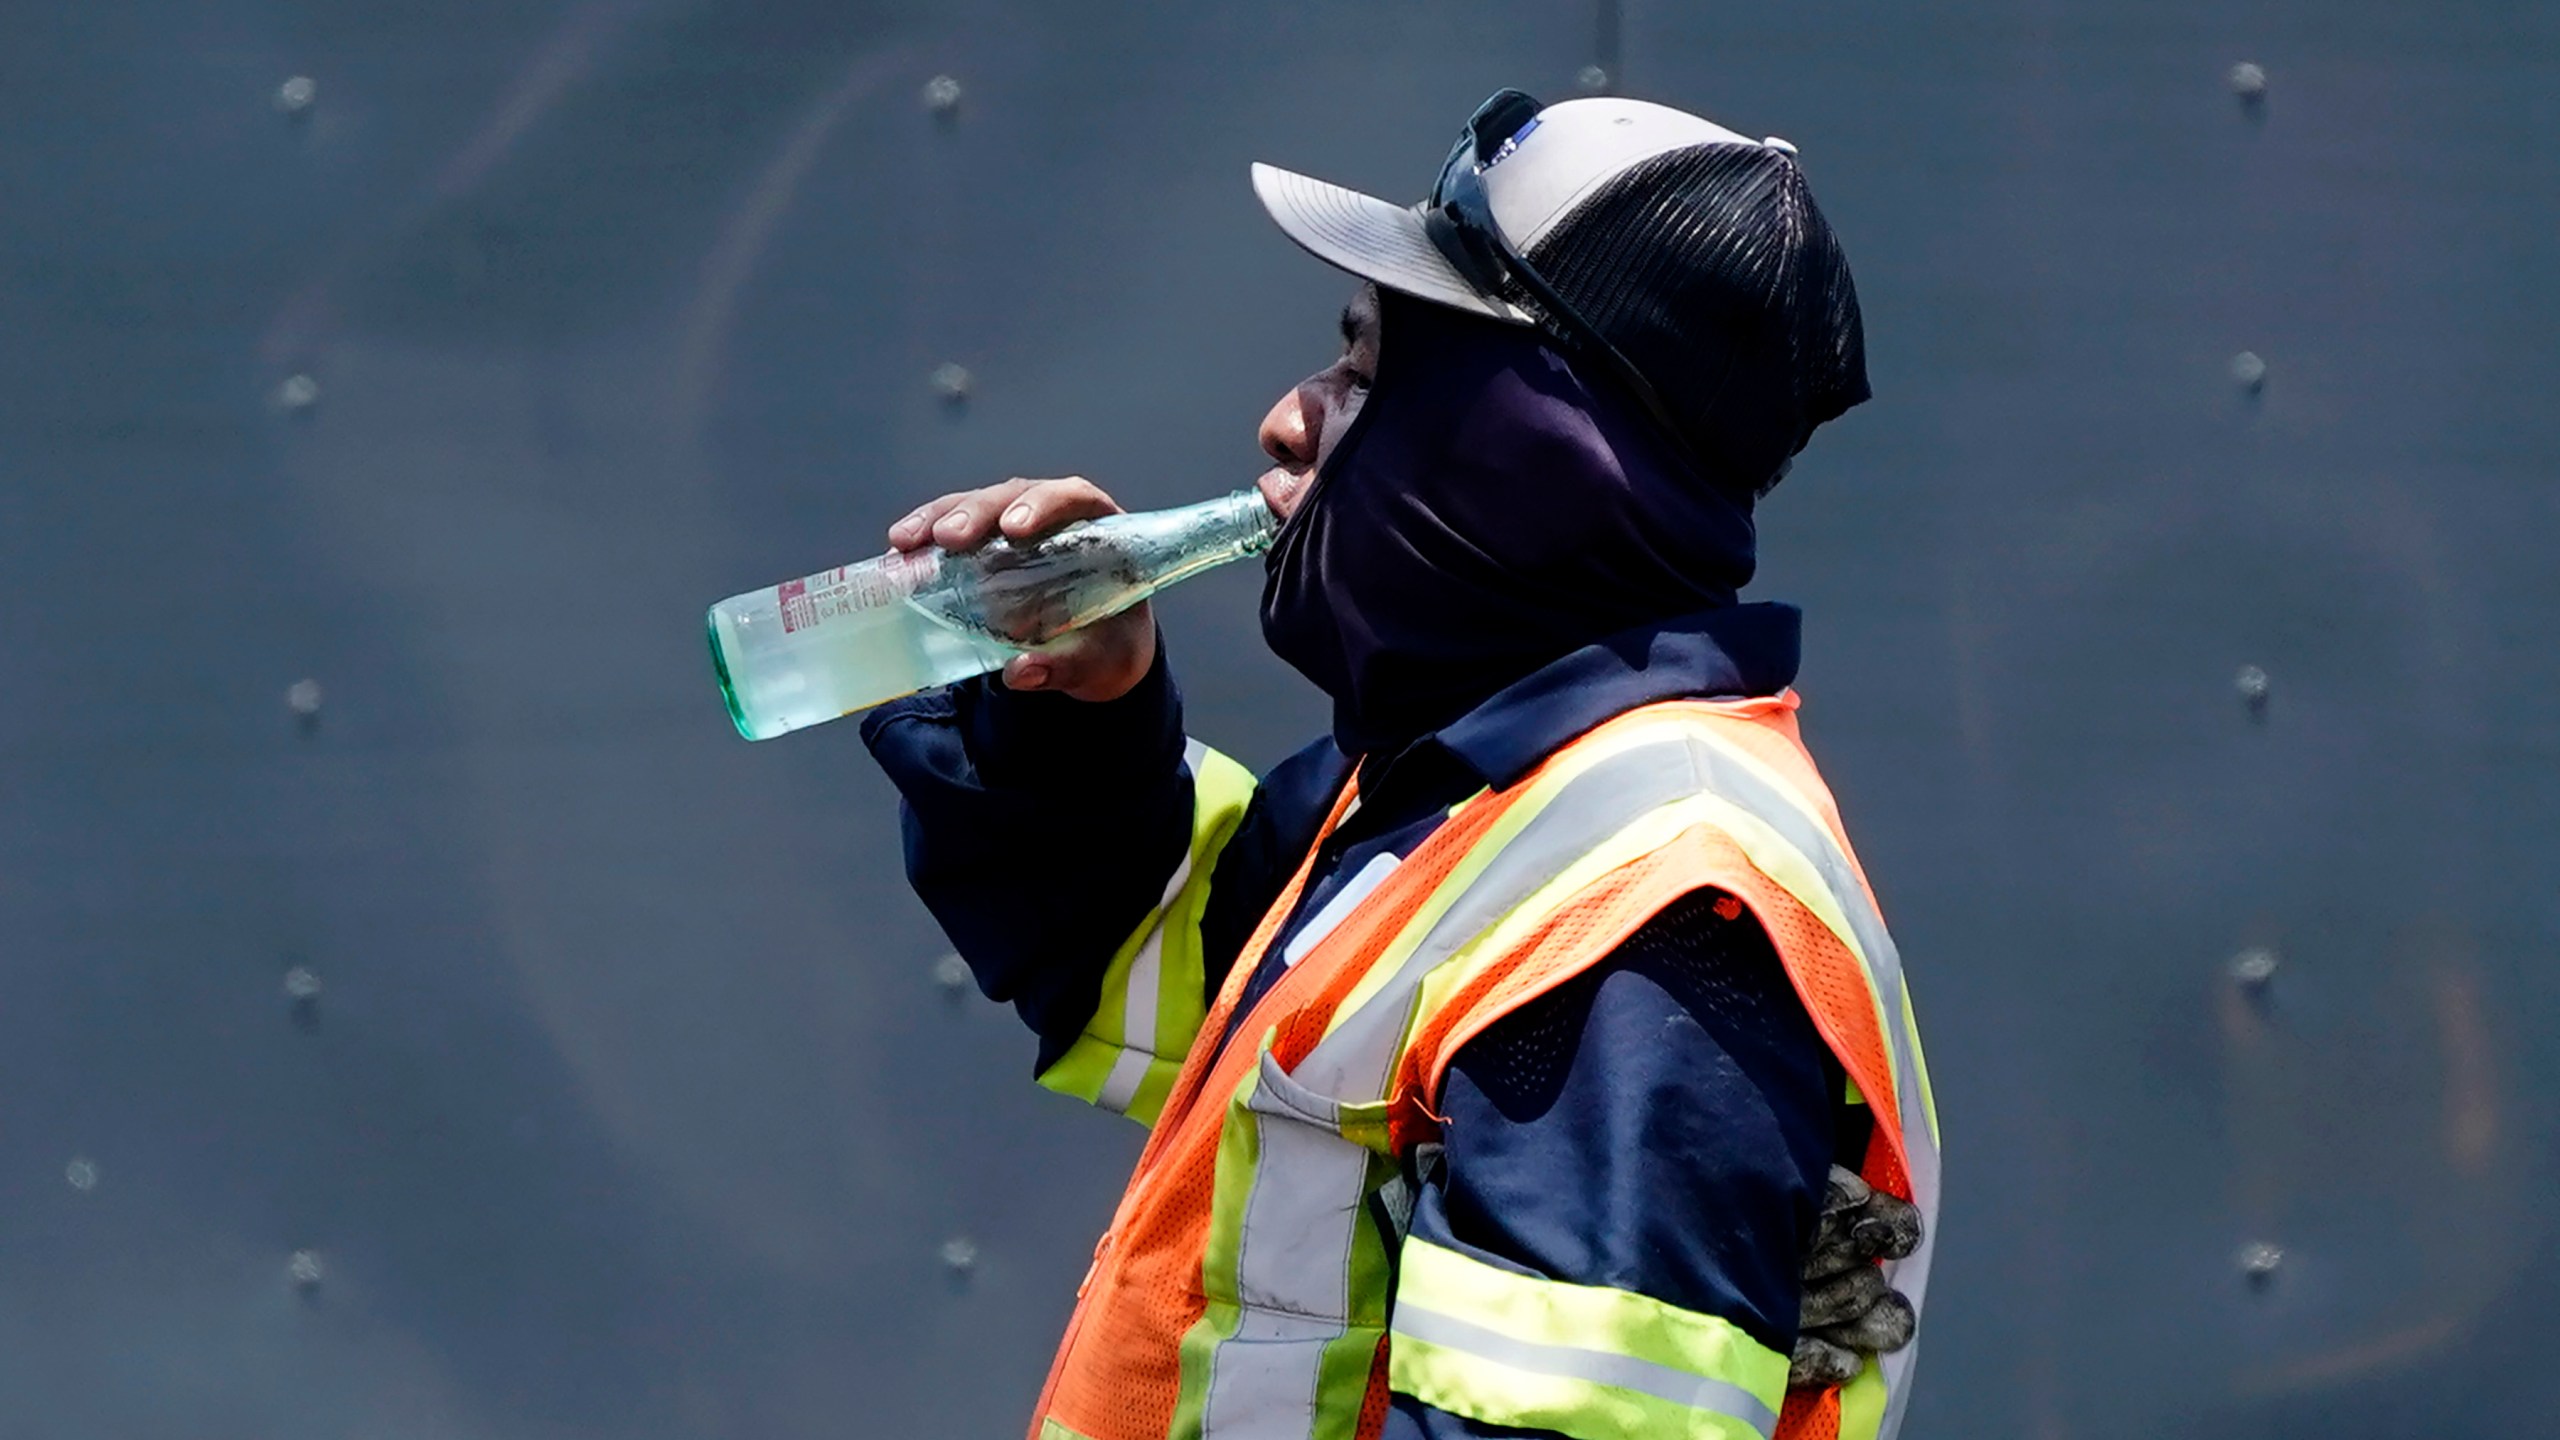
[{"x": 1487, "y": 513}]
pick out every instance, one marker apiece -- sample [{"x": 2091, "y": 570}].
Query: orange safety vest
[{"x": 1246, "y": 1290}]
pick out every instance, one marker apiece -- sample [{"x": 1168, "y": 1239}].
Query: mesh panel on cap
[{"x": 1713, "y": 272}]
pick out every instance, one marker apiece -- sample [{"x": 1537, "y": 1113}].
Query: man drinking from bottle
[{"x": 1527, "y": 1057}]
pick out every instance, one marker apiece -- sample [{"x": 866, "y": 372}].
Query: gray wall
[{"x": 628, "y": 1104}]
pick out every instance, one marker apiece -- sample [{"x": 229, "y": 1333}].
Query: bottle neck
[
  {"x": 1230, "y": 526},
  {"x": 1227, "y": 528},
  {"x": 1174, "y": 544},
  {"x": 1245, "y": 520}
]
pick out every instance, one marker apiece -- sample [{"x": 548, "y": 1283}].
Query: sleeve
[
  {"x": 1609, "y": 1241},
  {"x": 1067, "y": 849}
]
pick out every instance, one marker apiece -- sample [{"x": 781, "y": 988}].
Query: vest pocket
[
  {"x": 1290, "y": 1348},
  {"x": 1277, "y": 1093},
  {"x": 1302, "y": 1244}
]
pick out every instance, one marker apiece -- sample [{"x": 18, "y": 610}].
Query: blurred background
[{"x": 420, "y": 1016}]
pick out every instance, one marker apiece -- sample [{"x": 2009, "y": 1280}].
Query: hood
[{"x": 1486, "y": 514}]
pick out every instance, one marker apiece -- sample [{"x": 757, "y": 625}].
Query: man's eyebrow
[{"x": 1351, "y": 323}]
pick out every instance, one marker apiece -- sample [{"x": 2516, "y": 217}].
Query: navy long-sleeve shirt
[{"x": 1662, "y": 1124}]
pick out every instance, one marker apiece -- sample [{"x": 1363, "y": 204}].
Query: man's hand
[
  {"x": 1849, "y": 1312},
  {"x": 1102, "y": 661}
]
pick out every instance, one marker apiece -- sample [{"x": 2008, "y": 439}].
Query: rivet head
[
  {"x": 297, "y": 394},
  {"x": 81, "y": 1174},
  {"x": 1591, "y": 80},
  {"x": 952, "y": 381},
  {"x": 305, "y": 1270},
  {"x": 2248, "y": 80},
  {"x": 960, "y": 1254},
  {"x": 952, "y": 974},
  {"x": 2252, "y": 968},
  {"x": 2249, "y": 372},
  {"x": 2253, "y": 685},
  {"x": 2259, "y": 1261},
  {"x": 942, "y": 95},
  {"x": 302, "y": 697},
  {"x": 294, "y": 96},
  {"x": 301, "y": 983}
]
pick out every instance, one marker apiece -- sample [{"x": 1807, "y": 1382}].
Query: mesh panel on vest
[
  {"x": 1531, "y": 1046},
  {"x": 1720, "y": 962},
  {"x": 1826, "y": 974},
  {"x": 1810, "y": 1415},
  {"x": 1374, "y": 1405}
]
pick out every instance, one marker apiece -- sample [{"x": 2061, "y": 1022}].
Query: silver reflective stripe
[
  {"x": 1338, "y": 909},
  {"x": 1293, "y": 1264},
  {"x": 1277, "y": 1394},
  {"x": 1294, "y": 1254},
  {"x": 1146, "y": 981},
  {"x": 1599, "y": 1367},
  {"x": 1120, "y": 1086},
  {"x": 1304, "y": 1208},
  {"x": 1356, "y": 1060}
]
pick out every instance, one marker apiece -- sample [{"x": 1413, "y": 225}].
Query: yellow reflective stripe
[
  {"x": 1787, "y": 790},
  {"x": 1087, "y": 1071},
  {"x": 1568, "y": 766},
  {"x": 1770, "y": 852},
  {"x": 1582, "y": 1360},
  {"x": 1920, "y": 1062},
  {"x": 1153, "y": 994},
  {"x": 1588, "y": 1317},
  {"x": 1761, "y": 842},
  {"x": 1390, "y": 958},
  {"x": 1513, "y": 1398},
  {"x": 1052, "y": 1430},
  {"x": 1646, "y": 834},
  {"x": 1080, "y": 1072},
  {"x": 1862, "y": 1404}
]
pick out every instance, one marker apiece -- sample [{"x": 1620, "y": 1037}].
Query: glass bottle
[{"x": 809, "y": 650}]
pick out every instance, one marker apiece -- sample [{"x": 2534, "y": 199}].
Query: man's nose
[{"x": 1290, "y": 431}]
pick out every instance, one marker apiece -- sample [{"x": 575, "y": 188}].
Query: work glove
[{"x": 1849, "y": 1311}]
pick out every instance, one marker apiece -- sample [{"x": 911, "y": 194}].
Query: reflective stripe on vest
[
  {"x": 1152, "y": 1003},
  {"x": 1582, "y": 1360},
  {"x": 1293, "y": 1267},
  {"x": 1304, "y": 1216}
]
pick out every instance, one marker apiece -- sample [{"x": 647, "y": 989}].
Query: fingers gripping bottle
[{"x": 825, "y": 645}]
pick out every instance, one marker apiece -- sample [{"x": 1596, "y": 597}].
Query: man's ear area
[{"x": 1360, "y": 324}]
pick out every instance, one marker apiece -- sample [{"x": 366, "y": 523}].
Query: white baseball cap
[
  {"x": 1688, "y": 256},
  {"x": 1564, "y": 154}
]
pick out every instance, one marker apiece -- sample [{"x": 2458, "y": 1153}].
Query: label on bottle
[{"x": 814, "y": 599}]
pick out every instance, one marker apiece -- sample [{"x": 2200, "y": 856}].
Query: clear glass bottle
[{"x": 812, "y": 649}]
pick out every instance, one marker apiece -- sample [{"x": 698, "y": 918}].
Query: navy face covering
[{"x": 1485, "y": 515}]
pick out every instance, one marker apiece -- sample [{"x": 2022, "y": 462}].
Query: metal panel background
[{"x": 628, "y": 1103}]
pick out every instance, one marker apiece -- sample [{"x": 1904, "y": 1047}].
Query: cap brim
[{"x": 1370, "y": 238}]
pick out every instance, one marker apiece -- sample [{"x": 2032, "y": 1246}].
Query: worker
[{"x": 1527, "y": 1056}]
